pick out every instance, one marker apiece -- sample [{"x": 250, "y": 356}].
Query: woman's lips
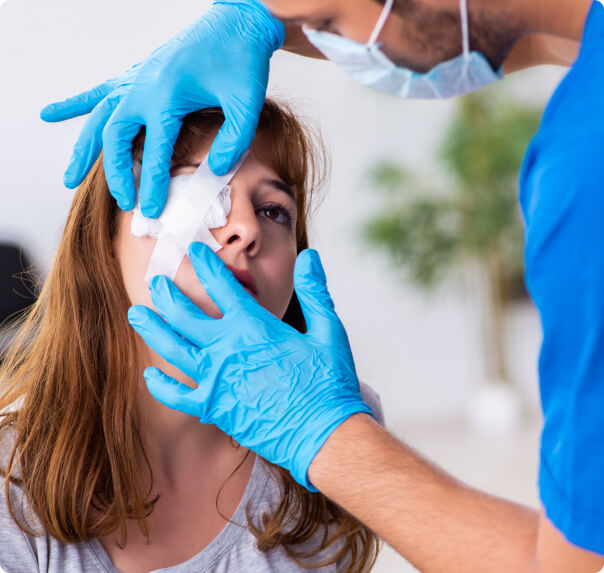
[{"x": 245, "y": 277}]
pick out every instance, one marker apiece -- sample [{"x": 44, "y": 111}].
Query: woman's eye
[{"x": 277, "y": 214}]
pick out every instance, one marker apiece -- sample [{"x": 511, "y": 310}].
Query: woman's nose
[{"x": 242, "y": 230}]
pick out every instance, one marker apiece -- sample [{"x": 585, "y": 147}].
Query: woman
[{"x": 101, "y": 477}]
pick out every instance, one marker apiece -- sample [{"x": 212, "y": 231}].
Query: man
[{"x": 295, "y": 401}]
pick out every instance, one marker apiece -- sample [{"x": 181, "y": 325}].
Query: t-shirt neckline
[{"x": 221, "y": 544}]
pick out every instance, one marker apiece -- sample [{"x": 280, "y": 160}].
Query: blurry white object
[{"x": 495, "y": 409}]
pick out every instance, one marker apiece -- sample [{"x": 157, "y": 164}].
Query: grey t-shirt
[{"x": 232, "y": 550}]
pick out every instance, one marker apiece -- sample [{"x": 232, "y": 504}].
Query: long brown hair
[{"x": 64, "y": 391}]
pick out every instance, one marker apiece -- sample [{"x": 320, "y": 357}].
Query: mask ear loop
[
  {"x": 465, "y": 28},
  {"x": 379, "y": 26}
]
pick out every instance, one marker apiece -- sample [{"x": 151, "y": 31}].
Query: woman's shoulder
[
  {"x": 19, "y": 550},
  {"x": 18, "y": 553},
  {"x": 37, "y": 551}
]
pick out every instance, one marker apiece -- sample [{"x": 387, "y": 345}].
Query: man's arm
[
  {"x": 436, "y": 522},
  {"x": 299, "y": 406}
]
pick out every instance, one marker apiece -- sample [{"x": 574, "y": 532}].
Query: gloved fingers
[
  {"x": 89, "y": 143},
  {"x": 161, "y": 338},
  {"x": 180, "y": 312},
  {"x": 157, "y": 156},
  {"x": 77, "y": 105},
  {"x": 220, "y": 283},
  {"x": 317, "y": 305},
  {"x": 117, "y": 157},
  {"x": 236, "y": 134},
  {"x": 172, "y": 393}
]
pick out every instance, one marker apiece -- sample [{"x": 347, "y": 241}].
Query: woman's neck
[
  {"x": 198, "y": 477},
  {"x": 179, "y": 447}
]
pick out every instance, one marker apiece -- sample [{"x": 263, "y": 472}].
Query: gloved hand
[
  {"x": 222, "y": 60},
  {"x": 274, "y": 390}
]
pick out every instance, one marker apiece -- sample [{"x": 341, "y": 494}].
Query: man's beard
[{"x": 437, "y": 33}]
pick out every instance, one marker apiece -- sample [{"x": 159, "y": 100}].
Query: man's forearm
[{"x": 436, "y": 522}]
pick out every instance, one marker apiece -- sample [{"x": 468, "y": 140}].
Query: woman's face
[{"x": 259, "y": 238}]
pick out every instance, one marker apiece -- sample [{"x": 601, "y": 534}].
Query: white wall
[{"x": 419, "y": 353}]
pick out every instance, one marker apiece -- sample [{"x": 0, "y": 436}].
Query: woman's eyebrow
[{"x": 278, "y": 184}]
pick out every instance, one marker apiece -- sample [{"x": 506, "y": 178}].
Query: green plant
[{"x": 431, "y": 226}]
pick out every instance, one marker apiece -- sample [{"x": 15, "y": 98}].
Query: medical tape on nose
[{"x": 196, "y": 203}]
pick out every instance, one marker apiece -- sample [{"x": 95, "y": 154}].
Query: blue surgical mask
[{"x": 367, "y": 64}]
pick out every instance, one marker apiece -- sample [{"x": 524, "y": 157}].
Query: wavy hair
[{"x": 74, "y": 420}]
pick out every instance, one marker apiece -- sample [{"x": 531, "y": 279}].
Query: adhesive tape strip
[{"x": 190, "y": 198}]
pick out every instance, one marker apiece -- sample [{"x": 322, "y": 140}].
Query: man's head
[{"x": 418, "y": 33}]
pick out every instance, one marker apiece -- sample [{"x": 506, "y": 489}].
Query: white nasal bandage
[{"x": 197, "y": 202}]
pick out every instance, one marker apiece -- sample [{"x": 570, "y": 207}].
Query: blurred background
[{"x": 418, "y": 229}]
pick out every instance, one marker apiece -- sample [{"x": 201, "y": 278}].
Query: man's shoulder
[{"x": 572, "y": 120}]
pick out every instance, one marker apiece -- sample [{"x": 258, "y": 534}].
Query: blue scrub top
[{"x": 562, "y": 199}]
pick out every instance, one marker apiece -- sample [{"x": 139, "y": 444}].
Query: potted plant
[{"x": 465, "y": 215}]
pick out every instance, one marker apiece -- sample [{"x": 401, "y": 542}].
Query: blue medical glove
[
  {"x": 222, "y": 60},
  {"x": 275, "y": 390}
]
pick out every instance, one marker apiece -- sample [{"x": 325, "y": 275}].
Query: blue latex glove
[
  {"x": 222, "y": 60},
  {"x": 276, "y": 391}
]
